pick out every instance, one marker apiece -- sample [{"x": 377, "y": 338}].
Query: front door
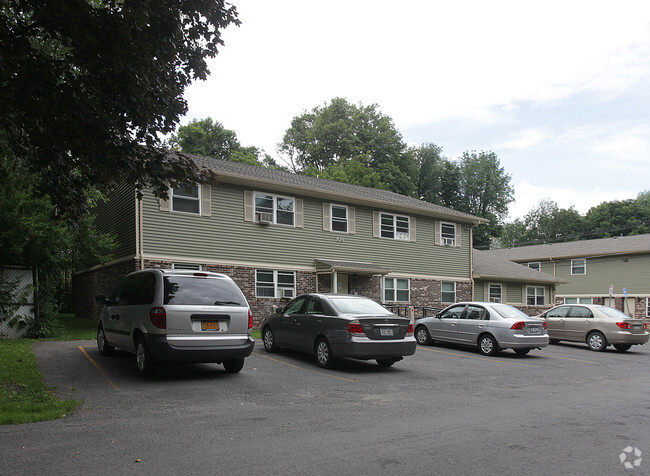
[{"x": 342, "y": 286}]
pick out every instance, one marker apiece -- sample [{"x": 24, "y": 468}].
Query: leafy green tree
[
  {"x": 438, "y": 178},
  {"x": 626, "y": 217},
  {"x": 340, "y": 132},
  {"x": 485, "y": 191},
  {"x": 209, "y": 138},
  {"x": 89, "y": 87}
]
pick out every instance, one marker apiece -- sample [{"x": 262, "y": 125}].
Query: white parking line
[
  {"x": 489, "y": 359},
  {"x": 302, "y": 368}
]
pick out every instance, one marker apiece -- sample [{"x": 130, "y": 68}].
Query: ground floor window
[
  {"x": 448, "y": 294},
  {"x": 273, "y": 284},
  {"x": 578, "y": 300},
  {"x": 397, "y": 290},
  {"x": 647, "y": 307},
  {"x": 495, "y": 293},
  {"x": 535, "y": 296},
  {"x": 195, "y": 267}
]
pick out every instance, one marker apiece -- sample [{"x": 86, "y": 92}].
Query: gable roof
[
  {"x": 287, "y": 182},
  {"x": 621, "y": 245},
  {"x": 489, "y": 265}
]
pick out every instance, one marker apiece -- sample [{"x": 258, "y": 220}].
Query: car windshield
[
  {"x": 508, "y": 312},
  {"x": 615, "y": 313},
  {"x": 358, "y": 306},
  {"x": 193, "y": 290}
]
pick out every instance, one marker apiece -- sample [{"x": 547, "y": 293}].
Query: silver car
[
  {"x": 597, "y": 326},
  {"x": 333, "y": 326},
  {"x": 489, "y": 326},
  {"x": 177, "y": 316}
]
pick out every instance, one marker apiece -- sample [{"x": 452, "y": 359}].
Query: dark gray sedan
[{"x": 333, "y": 326}]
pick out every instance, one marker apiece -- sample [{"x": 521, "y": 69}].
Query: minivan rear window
[{"x": 202, "y": 291}]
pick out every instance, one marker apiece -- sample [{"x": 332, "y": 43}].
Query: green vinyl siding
[
  {"x": 117, "y": 216},
  {"x": 225, "y": 236},
  {"x": 514, "y": 293}
]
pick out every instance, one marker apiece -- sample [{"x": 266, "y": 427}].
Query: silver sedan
[
  {"x": 332, "y": 326},
  {"x": 489, "y": 326}
]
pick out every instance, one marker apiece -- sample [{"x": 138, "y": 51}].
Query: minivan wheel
[
  {"x": 143, "y": 358},
  {"x": 102, "y": 344},
  {"x": 422, "y": 335},
  {"x": 487, "y": 345},
  {"x": 324, "y": 356},
  {"x": 622, "y": 347},
  {"x": 269, "y": 340},
  {"x": 233, "y": 366},
  {"x": 596, "y": 341}
]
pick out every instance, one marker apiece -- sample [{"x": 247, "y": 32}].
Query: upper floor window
[
  {"x": 448, "y": 234},
  {"x": 340, "y": 218},
  {"x": 274, "y": 209},
  {"x": 186, "y": 199},
  {"x": 397, "y": 290},
  {"x": 395, "y": 227},
  {"x": 494, "y": 293},
  {"x": 536, "y": 265},
  {"x": 578, "y": 266},
  {"x": 535, "y": 296},
  {"x": 448, "y": 293}
]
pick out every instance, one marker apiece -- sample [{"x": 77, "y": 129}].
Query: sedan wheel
[
  {"x": 521, "y": 352},
  {"x": 622, "y": 347},
  {"x": 385, "y": 362},
  {"x": 324, "y": 354},
  {"x": 269, "y": 340},
  {"x": 487, "y": 345},
  {"x": 422, "y": 335},
  {"x": 144, "y": 360},
  {"x": 102, "y": 344},
  {"x": 596, "y": 341}
]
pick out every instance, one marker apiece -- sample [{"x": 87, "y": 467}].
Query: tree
[
  {"x": 340, "y": 132},
  {"x": 88, "y": 87},
  {"x": 485, "y": 191},
  {"x": 626, "y": 217},
  {"x": 438, "y": 178},
  {"x": 210, "y": 139}
]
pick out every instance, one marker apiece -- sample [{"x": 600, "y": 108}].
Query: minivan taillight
[
  {"x": 158, "y": 317},
  {"x": 250, "y": 319}
]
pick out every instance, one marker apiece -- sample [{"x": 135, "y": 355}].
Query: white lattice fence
[{"x": 22, "y": 304}]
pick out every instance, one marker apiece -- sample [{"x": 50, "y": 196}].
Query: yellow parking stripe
[
  {"x": 302, "y": 368},
  {"x": 489, "y": 359},
  {"x": 575, "y": 360},
  {"x": 110, "y": 382}
]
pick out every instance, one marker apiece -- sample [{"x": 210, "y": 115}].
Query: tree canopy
[
  {"x": 341, "y": 132},
  {"x": 88, "y": 88}
]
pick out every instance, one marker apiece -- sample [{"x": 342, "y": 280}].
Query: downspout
[{"x": 141, "y": 226}]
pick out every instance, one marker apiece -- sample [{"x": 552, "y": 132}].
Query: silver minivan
[{"x": 167, "y": 315}]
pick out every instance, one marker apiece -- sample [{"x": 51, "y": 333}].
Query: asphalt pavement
[{"x": 445, "y": 410}]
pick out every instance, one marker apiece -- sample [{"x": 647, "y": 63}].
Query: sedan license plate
[
  {"x": 386, "y": 331},
  {"x": 636, "y": 327},
  {"x": 210, "y": 325},
  {"x": 534, "y": 330}
]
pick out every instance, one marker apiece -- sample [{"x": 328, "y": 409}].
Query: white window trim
[
  {"x": 647, "y": 307},
  {"x": 395, "y": 216},
  {"x": 347, "y": 218},
  {"x": 443, "y": 239},
  {"x": 275, "y": 208},
  {"x": 188, "y": 266},
  {"x": 277, "y": 288},
  {"x": 584, "y": 260},
  {"x": 500, "y": 292},
  {"x": 184, "y": 197},
  {"x": 543, "y": 295},
  {"x": 579, "y": 300},
  {"x": 447, "y": 292},
  {"x": 395, "y": 289}
]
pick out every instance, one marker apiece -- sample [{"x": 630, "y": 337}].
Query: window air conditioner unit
[
  {"x": 287, "y": 293},
  {"x": 264, "y": 217},
  {"x": 448, "y": 241}
]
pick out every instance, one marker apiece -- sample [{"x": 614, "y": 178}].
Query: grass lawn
[{"x": 24, "y": 397}]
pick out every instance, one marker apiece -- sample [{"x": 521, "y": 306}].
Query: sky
[{"x": 559, "y": 90}]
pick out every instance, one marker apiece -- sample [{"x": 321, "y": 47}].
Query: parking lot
[{"x": 445, "y": 410}]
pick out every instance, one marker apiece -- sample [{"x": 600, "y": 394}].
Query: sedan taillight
[
  {"x": 158, "y": 317},
  {"x": 409, "y": 331},
  {"x": 355, "y": 328},
  {"x": 624, "y": 325},
  {"x": 544, "y": 325},
  {"x": 250, "y": 319},
  {"x": 518, "y": 326}
]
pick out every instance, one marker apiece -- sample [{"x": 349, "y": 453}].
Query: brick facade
[{"x": 104, "y": 280}]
